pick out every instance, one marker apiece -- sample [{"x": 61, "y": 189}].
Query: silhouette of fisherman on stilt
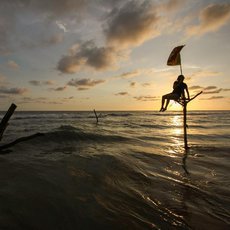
[{"x": 179, "y": 88}]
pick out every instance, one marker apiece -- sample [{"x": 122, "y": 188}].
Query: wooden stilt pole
[
  {"x": 185, "y": 123},
  {"x": 184, "y": 103},
  {"x": 6, "y": 118}
]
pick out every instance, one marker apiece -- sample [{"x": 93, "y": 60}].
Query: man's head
[{"x": 180, "y": 78}]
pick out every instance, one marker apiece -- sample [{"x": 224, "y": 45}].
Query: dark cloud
[
  {"x": 61, "y": 88},
  {"x": 194, "y": 87},
  {"x": 146, "y": 98},
  {"x": 122, "y": 94},
  {"x": 225, "y": 90},
  {"x": 82, "y": 88},
  {"x": 84, "y": 84},
  {"x": 35, "y": 82},
  {"x": 132, "y": 24},
  {"x": 132, "y": 84},
  {"x": 146, "y": 84},
  {"x": 15, "y": 91},
  {"x": 38, "y": 100},
  {"x": 39, "y": 83},
  {"x": 88, "y": 54},
  {"x": 210, "y": 88},
  {"x": 213, "y": 17}
]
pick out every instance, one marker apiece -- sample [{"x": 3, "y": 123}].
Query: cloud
[
  {"x": 40, "y": 83},
  {"x": 84, "y": 84},
  {"x": 57, "y": 8},
  {"x": 207, "y": 90},
  {"x": 20, "y": 16},
  {"x": 213, "y": 98},
  {"x": 225, "y": 90},
  {"x": 48, "y": 82},
  {"x": 15, "y": 91},
  {"x": 54, "y": 39},
  {"x": 39, "y": 100},
  {"x": 210, "y": 88},
  {"x": 212, "y": 92},
  {"x": 204, "y": 73},
  {"x": 61, "y": 88},
  {"x": 146, "y": 98},
  {"x": 122, "y": 94},
  {"x": 132, "y": 84},
  {"x": 88, "y": 55},
  {"x": 132, "y": 24},
  {"x": 172, "y": 5},
  {"x": 130, "y": 74},
  {"x": 12, "y": 64},
  {"x": 35, "y": 82},
  {"x": 146, "y": 84},
  {"x": 211, "y": 18},
  {"x": 195, "y": 87},
  {"x": 61, "y": 26}
]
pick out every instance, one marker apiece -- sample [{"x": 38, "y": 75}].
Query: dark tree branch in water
[
  {"x": 21, "y": 139},
  {"x": 6, "y": 118},
  {"x": 95, "y": 115}
]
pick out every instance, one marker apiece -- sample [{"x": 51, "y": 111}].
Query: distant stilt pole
[
  {"x": 95, "y": 115},
  {"x": 6, "y": 118}
]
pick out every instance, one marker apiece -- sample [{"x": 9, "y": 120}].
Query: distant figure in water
[{"x": 178, "y": 90}]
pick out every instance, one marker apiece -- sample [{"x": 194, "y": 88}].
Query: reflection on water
[
  {"x": 177, "y": 125},
  {"x": 177, "y": 142}
]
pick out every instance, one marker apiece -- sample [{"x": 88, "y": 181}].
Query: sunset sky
[{"x": 112, "y": 54}]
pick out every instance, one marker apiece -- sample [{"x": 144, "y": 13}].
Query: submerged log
[{"x": 6, "y": 118}]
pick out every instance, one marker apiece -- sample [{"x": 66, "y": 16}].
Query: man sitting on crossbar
[{"x": 178, "y": 91}]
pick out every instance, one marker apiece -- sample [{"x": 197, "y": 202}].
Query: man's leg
[
  {"x": 168, "y": 97},
  {"x": 162, "y": 103}
]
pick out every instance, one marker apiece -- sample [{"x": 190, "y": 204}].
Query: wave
[
  {"x": 120, "y": 114},
  {"x": 68, "y": 133}
]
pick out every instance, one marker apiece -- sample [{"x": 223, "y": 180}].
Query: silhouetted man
[{"x": 178, "y": 90}]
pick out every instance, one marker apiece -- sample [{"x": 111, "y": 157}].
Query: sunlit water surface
[{"x": 129, "y": 171}]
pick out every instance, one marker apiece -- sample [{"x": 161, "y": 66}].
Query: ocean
[{"x": 128, "y": 171}]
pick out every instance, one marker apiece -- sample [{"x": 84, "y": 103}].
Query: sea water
[{"x": 128, "y": 171}]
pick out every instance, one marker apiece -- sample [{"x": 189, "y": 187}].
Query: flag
[{"x": 174, "y": 57}]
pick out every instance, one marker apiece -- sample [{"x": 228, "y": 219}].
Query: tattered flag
[{"x": 174, "y": 57}]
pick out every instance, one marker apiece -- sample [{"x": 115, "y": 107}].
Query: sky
[{"x": 112, "y": 54}]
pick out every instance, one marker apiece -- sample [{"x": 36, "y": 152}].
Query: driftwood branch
[
  {"x": 21, "y": 139},
  {"x": 6, "y": 118},
  {"x": 95, "y": 115}
]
